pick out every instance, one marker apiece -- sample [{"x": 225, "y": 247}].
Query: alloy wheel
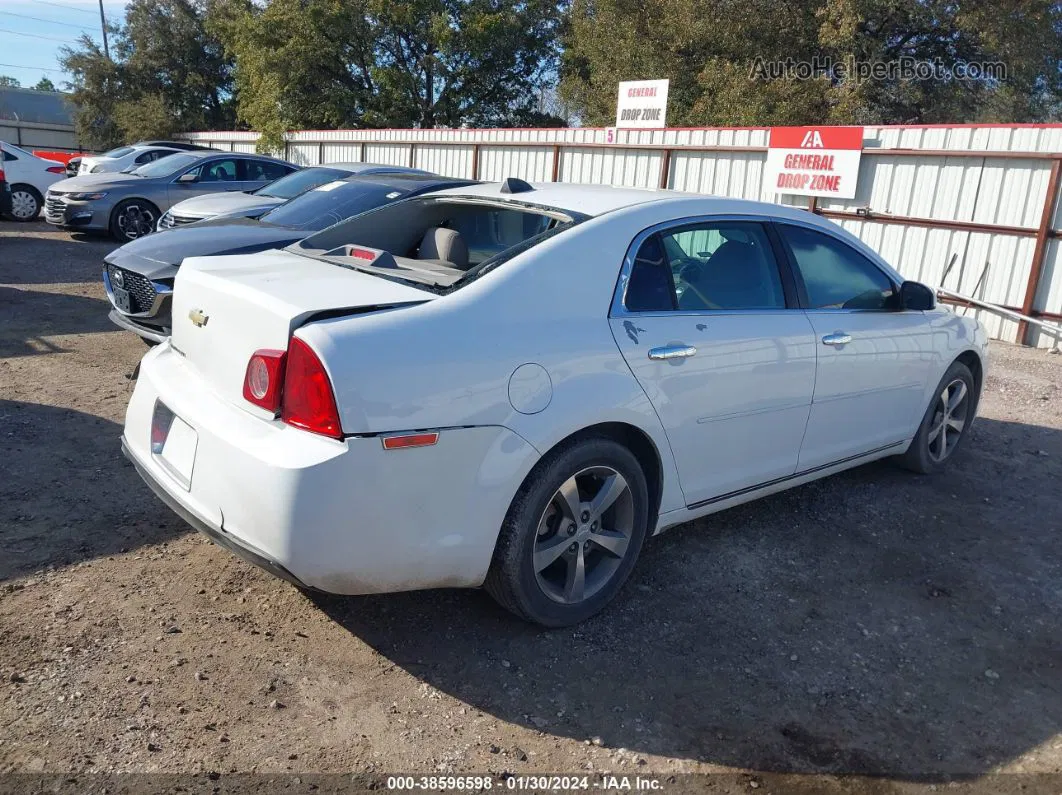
[
  {"x": 136, "y": 221},
  {"x": 583, "y": 535},
  {"x": 24, "y": 205},
  {"x": 949, "y": 420}
]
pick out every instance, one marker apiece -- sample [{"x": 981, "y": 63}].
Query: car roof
[
  {"x": 408, "y": 181},
  {"x": 595, "y": 200},
  {"x": 584, "y": 199},
  {"x": 378, "y": 168}
]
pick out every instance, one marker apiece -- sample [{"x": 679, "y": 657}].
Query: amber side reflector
[{"x": 410, "y": 440}]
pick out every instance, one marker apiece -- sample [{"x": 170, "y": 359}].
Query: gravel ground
[{"x": 901, "y": 630}]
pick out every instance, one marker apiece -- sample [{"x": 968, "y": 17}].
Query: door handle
[
  {"x": 672, "y": 352},
  {"x": 837, "y": 338}
]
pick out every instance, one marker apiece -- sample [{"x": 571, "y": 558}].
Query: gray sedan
[{"x": 130, "y": 205}]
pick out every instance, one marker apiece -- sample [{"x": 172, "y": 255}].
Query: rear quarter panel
[{"x": 448, "y": 362}]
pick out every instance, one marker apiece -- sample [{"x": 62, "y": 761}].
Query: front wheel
[
  {"x": 132, "y": 219},
  {"x": 944, "y": 425},
  {"x": 25, "y": 203},
  {"x": 572, "y": 535}
]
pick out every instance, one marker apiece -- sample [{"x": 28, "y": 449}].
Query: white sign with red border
[
  {"x": 813, "y": 161},
  {"x": 642, "y": 104}
]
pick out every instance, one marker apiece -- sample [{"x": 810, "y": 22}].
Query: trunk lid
[{"x": 226, "y": 308}]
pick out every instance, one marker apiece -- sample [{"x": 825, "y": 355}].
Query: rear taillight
[
  {"x": 307, "y": 401},
  {"x": 56, "y": 169},
  {"x": 294, "y": 384},
  {"x": 264, "y": 379}
]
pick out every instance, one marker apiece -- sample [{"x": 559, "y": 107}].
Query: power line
[
  {"x": 37, "y": 36},
  {"x": 63, "y": 5},
  {"x": 39, "y": 19},
  {"x": 32, "y": 68}
]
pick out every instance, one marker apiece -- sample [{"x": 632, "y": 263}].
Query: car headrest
[{"x": 445, "y": 245}]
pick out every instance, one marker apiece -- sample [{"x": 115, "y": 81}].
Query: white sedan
[
  {"x": 29, "y": 177},
  {"x": 513, "y": 386}
]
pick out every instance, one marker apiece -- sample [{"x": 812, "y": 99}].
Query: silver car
[
  {"x": 252, "y": 205},
  {"x": 130, "y": 205}
]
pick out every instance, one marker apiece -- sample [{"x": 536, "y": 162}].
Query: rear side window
[
  {"x": 835, "y": 275},
  {"x": 712, "y": 266},
  {"x": 264, "y": 170}
]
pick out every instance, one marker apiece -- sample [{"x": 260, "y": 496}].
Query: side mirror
[
  {"x": 190, "y": 177},
  {"x": 917, "y": 297}
]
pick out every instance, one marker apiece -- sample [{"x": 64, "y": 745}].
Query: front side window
[
  {"x": 835, "y": 275},
  {"x": 721, "y": 265},
  {"x": 218, "y": 171}
]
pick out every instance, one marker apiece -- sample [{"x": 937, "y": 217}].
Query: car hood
[
  {"x": 158, "y": 256},
  {"x": 90, "y": 182},
  {"x": 211, "y": 204}
]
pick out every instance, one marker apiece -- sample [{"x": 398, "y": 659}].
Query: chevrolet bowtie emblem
[{"x": 199, "y": 317}]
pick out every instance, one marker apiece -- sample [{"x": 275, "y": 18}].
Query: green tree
[
  {"x": 44, "y": 84},
  {"x": 709, "y": 50},
  {"x": 380, "y": 63},
  {"x": 169, "y": 74},
  {"x": 9, "y": 82}
]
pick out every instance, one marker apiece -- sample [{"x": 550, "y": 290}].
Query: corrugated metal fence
[{"x": 983, "y": 198}]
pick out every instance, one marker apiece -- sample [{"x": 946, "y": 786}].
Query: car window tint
[
  {"x": 299, "y": 182},
  {"x": 323, "y": 206},
  {"x": 9, "y": 156},
  {"x": 218, "y": 171},
  {"x": 263, "y": 170},
  {"x": 836, "y": 276},
  {"x": 651, "y": 287},
  {"x": 723, "y": 265}
]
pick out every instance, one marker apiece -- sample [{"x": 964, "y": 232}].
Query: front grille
[
  {"x": 169, "y": 220},
  {"x": 53, "y": 205},
  {"x": 141, "y": 291}
]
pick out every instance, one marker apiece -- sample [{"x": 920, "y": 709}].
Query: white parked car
[
  {"x": 257, "y": 202},
  {"x": 514, "y": 386},
  {"x": 126, "y": 158},
  {"x": 29, "y": 177}
]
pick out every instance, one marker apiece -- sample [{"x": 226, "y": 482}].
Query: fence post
[
  {"x": 665, "y": 169},
  {"x": 475, "y": 161},
  {"x": 556, "y": 163},
  {"x": 1043, "y": 234}
]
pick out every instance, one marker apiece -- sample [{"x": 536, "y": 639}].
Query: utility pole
[{"x": 103, "y": 27}]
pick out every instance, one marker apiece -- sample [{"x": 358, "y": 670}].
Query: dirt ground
[{"x": 898, "y": 629}]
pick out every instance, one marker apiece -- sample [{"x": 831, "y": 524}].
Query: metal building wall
[{"x": 926, "y": 194}]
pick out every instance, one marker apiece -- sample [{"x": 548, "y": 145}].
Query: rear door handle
[
  {"x": 837, "y": 338},
  {"x": 672, "y": 352}
]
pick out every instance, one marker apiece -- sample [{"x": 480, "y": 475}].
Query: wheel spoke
[
  {"x": 933, "y": 434},
  {"x": 569, "y": 492},
  {"x": 956, "y": 424},
  {"x": 611, "y": 541},
  {"x": 576, "y": 580},
  {"x": 609, "y": 492},
  {"x": 957, "y": 396},
  {"x": 943, "y": 439},
  {"x": 547, "y": 552}
]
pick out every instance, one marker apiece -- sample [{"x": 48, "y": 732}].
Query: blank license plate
[
  {"x": 121, "y": 300},
  {"x": 178, "y": 453}
]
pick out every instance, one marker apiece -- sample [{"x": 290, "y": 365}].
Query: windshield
[
  {"x": 165, "y": 166},
  {"x": 330, "y": 203},
  {"x": 441, "y": 241},
  {"x": 121, "y": 151},
  {"x": 301, "y": 181}
]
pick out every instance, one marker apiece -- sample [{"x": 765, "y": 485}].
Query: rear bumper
[
  {"x": 215, "y": 534},
  {"x": 343, "y": 516}
]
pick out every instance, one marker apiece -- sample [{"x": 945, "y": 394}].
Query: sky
[{"x": 29, "y": 48}]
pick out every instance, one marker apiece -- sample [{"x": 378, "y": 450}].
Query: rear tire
[
  {"x": 26, "y": 203},
  {"x": 944, "y": 425},
  {"x": 560, "y": 556}
]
